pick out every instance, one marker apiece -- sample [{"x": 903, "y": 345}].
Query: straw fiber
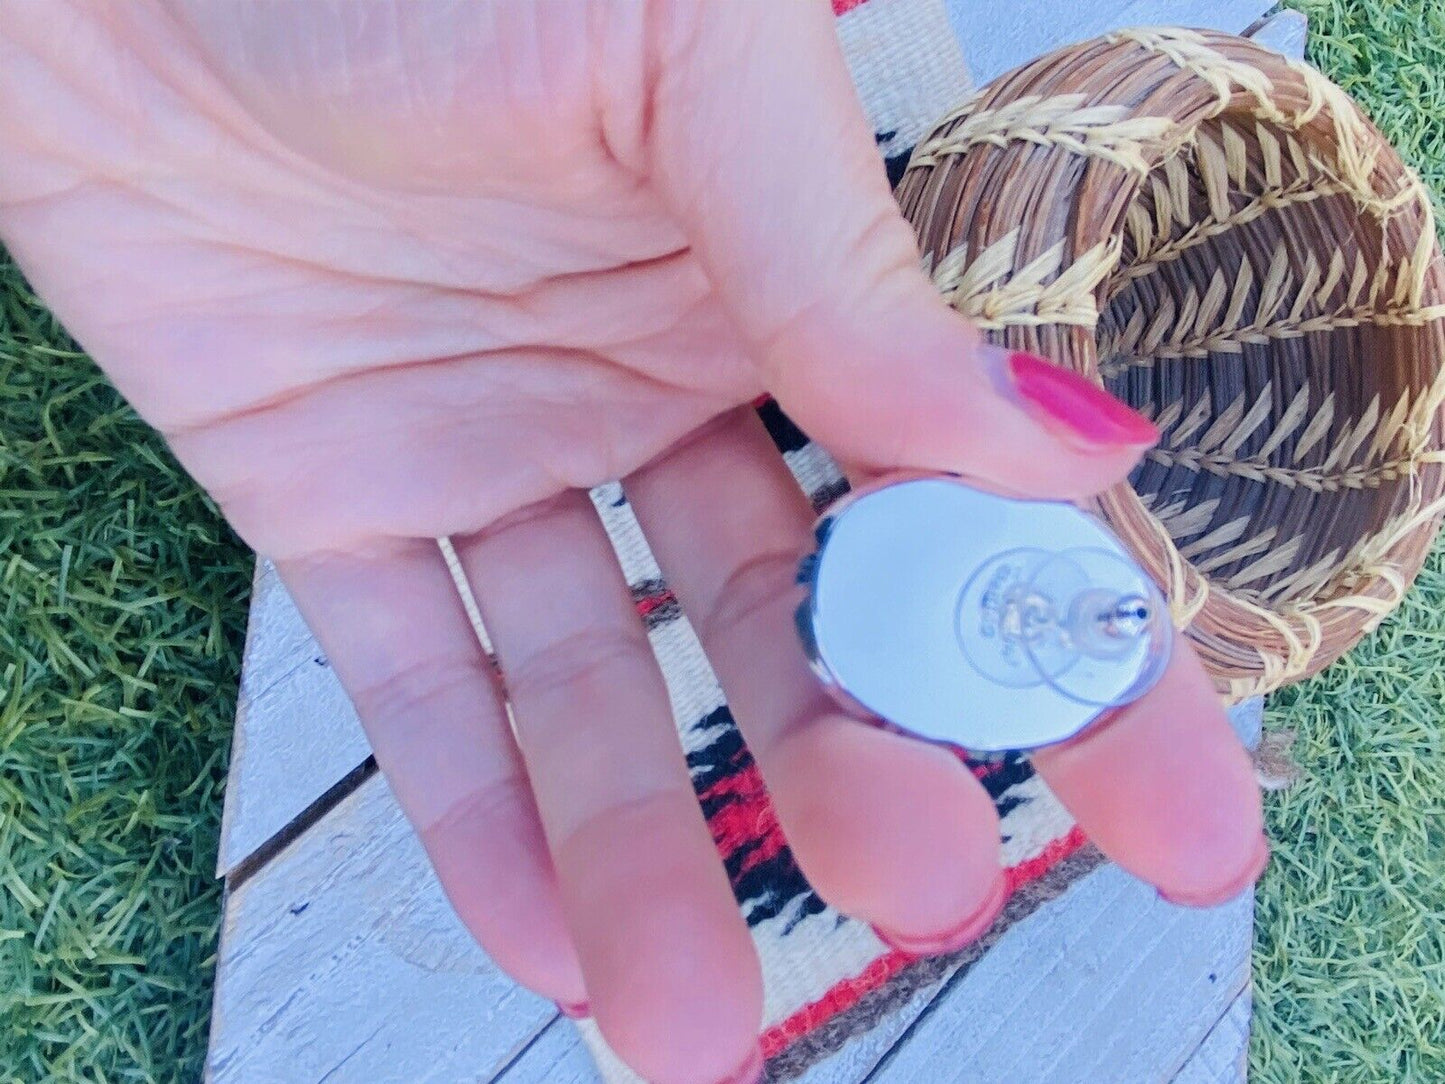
[{"x": 1217, "y": 235}]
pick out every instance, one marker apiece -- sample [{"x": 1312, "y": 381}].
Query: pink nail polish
[
  {"x": 1074, "y": 407},
  {"x": 750, "y": 1073},
  {"x": 970, "y": 930},
  {"x": 576, "y": 1011},
  {"x": 1252, "y": 873}
]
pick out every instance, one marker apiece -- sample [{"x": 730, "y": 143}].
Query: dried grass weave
[{"x": 1218, "y": 235}]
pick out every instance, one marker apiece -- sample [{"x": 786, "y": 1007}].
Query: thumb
[{"x": 761, "y": 148}]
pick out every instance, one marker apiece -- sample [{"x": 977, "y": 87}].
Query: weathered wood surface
[
  {"x": 1113, "y": 984},
  {"x": 1222, "y": 1058},
  {"x": 341, "y": 961},
  {"x": 997, "y": 37},
  {"x": 296, "y": 732},
  {"x": 558, "y": 1056}
]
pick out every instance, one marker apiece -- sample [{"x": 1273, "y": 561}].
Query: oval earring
[{"x": 987, "y": 622}]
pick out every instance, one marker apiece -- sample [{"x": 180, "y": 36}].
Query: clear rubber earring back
[
  {"x": 984, "y": 621},
  {"x": 1075, "y": 620}
]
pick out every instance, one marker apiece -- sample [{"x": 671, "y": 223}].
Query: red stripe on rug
[
  {"x": 748, "y": 821},
  {"x": 648, "y": 603},
  {"x": 1034, "y": 868},
  {"x": 849, "y": 992},
  {"x": 842, "y": 6}
]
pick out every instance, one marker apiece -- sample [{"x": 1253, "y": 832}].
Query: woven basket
[{"x": 1217, "y": 235}]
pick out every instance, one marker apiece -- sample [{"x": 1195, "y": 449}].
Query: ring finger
[{"x": 670, "y": 971}]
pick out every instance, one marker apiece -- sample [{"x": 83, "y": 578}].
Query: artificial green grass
[
  {"x": 122, "y": 611},
  {"x": 1349, "y": 963},
  {"x": 122, "y": 607}
]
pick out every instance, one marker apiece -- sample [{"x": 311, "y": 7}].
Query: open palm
[{"x": 387, "y": 272}]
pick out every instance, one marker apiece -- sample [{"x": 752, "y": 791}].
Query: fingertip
[
  {"x": 889, "y": 829},
  {"x": 494, "y": 867},
  {"x": 1230, "y": 888},
  {"x": 1071, "y": 407},
  {"x": 576, "y": 1010},
  {"x": 674, "y": 978},
  {"x": 965, "y": 933}
]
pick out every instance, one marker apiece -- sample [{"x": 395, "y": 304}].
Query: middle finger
[{"x": 887, "y": 829}]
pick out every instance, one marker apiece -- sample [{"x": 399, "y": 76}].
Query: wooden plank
[
  {"x": 296, "y": 731},
  {"x": 342, "y": 961},
  {"x": 277, "y": 639},
  {"x": 862, "y": 1053},
  {"x": 998, "y": 37},
  {"x": 1223, "y": 1056},
  {"x": 560, "y": 1056},
  {"x": 1110, "y": 983},
  {"x": 1284, "y": 32}
]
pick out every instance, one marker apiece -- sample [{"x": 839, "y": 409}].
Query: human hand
[{"x": 384, "y": 272}]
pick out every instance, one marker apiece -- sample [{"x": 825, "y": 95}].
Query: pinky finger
[{"x": 393, "y": 627}]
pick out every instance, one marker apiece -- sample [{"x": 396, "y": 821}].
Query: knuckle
[
  {"x": 414, "y": 691},
  {"x": 586, "y": 661},
  {"x": 752, "y": 591},
  {"x": 497, "y": 802}
]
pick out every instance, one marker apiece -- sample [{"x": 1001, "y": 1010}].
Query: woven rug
[{"x": 828, "y": 978}]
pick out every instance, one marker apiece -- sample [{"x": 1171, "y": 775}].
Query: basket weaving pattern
[{"x": 1216, "y": 234}]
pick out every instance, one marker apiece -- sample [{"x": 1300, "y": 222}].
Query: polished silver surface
[{"x": 982, "y": 621}]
